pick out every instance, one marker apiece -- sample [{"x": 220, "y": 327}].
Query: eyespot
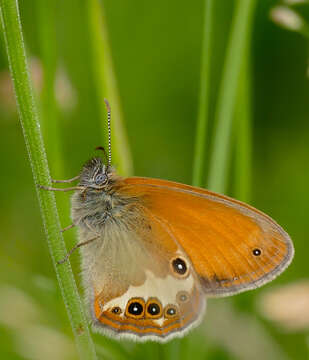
[
  {"x": 170, "y": 311},
  {"x": 179, "y": 266},
  {"x": 116, "y": 310},
  {"x": 182, "y": 296},
  {"x": 100, "y": 179},
  {"x": 135, "y": 308},
  {"x": 256, "y": 252},
  {"x": 153, "y": 308}
]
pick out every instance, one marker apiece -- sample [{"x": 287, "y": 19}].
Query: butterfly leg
[
  {"x": 50, "y": 188},
  {"x": 66, "y": 181},
  {"x": 76, "y": 247},
  {"x": 68, "y": 227}
]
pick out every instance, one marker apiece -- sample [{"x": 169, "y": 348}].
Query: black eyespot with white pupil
[
  {"x": 100, "y": 179},
  {"x": 153, "y": 309},
  {"x": 180, "y": 266},
  {"x": 135, "y": 308},
  {"x": 171, "y": 311},
  {"x": 116, "y": 310},
  {"x": 257, "y": 252}
]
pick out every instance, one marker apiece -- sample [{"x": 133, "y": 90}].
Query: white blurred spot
[
  {"x": 287, "y": 18},
  {"x": 295, "y": 2},
  {"x": 64, "y": 91},
  {"x": 287, "y": 306},
  {"x": 32, "y": 340},
  {"x": 16, "y": 308},
  {"x": 51, "y": 345},
  {"x": 240, "y": 333}
]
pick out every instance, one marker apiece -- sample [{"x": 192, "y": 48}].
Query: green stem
[
  {"x": 30, "y": 124},
  {"x": 106, "y": 86},
  {"x": 243, "y": 133},
  {"x": 241, "y": 27},
  {"x": 202, "y": 119}
]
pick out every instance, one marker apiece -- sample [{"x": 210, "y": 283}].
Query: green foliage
[{"x": 250, "y": 100}]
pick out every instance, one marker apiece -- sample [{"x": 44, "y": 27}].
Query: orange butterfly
[{"x": 157, "y": 249}]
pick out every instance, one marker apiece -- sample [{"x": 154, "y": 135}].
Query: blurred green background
[{"x": 156, "y": 53}]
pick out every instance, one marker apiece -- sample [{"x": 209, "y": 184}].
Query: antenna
[
  {"x": 108, "y": 108},
  {"x": 104, "y": 152}
]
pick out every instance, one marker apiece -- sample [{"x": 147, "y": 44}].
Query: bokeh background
[{"x": 155, "y": 49}]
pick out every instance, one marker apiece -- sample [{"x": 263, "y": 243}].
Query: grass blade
[
  {"x": 243, "y": 134},
  {"x": 202, "y": 119},
  {"x": 106, "y": 86},
  {"x": 48, "y": 56},
  {"x": 29, "y": 120},
  {"x": 241, "y": 27}
]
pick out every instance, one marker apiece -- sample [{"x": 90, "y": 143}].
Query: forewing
[{"x": 232, "y": 246}]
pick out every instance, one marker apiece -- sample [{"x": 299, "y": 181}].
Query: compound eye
[{"x": 100, "y": 179}]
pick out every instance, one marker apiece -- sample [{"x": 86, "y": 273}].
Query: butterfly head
[{"x": 95, "y": 174}]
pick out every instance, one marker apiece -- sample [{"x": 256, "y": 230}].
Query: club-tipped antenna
[
  {"x": 104, "y": 152},
  {"x": 108, "y": 108}
]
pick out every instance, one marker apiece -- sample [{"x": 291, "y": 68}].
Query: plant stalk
[
  {"x": 240, "y": 29},
  {"x": 28, "y": 115},
  {"x": 204, "y": 96}
]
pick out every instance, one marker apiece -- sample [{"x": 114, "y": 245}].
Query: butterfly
[{"x": 154, "y": 250}]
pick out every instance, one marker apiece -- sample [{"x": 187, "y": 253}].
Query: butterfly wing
[
  {"x": 140, "y": 284},
  {"x": 232, "y": 246},
  {"x": 166, "y": 246}
]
